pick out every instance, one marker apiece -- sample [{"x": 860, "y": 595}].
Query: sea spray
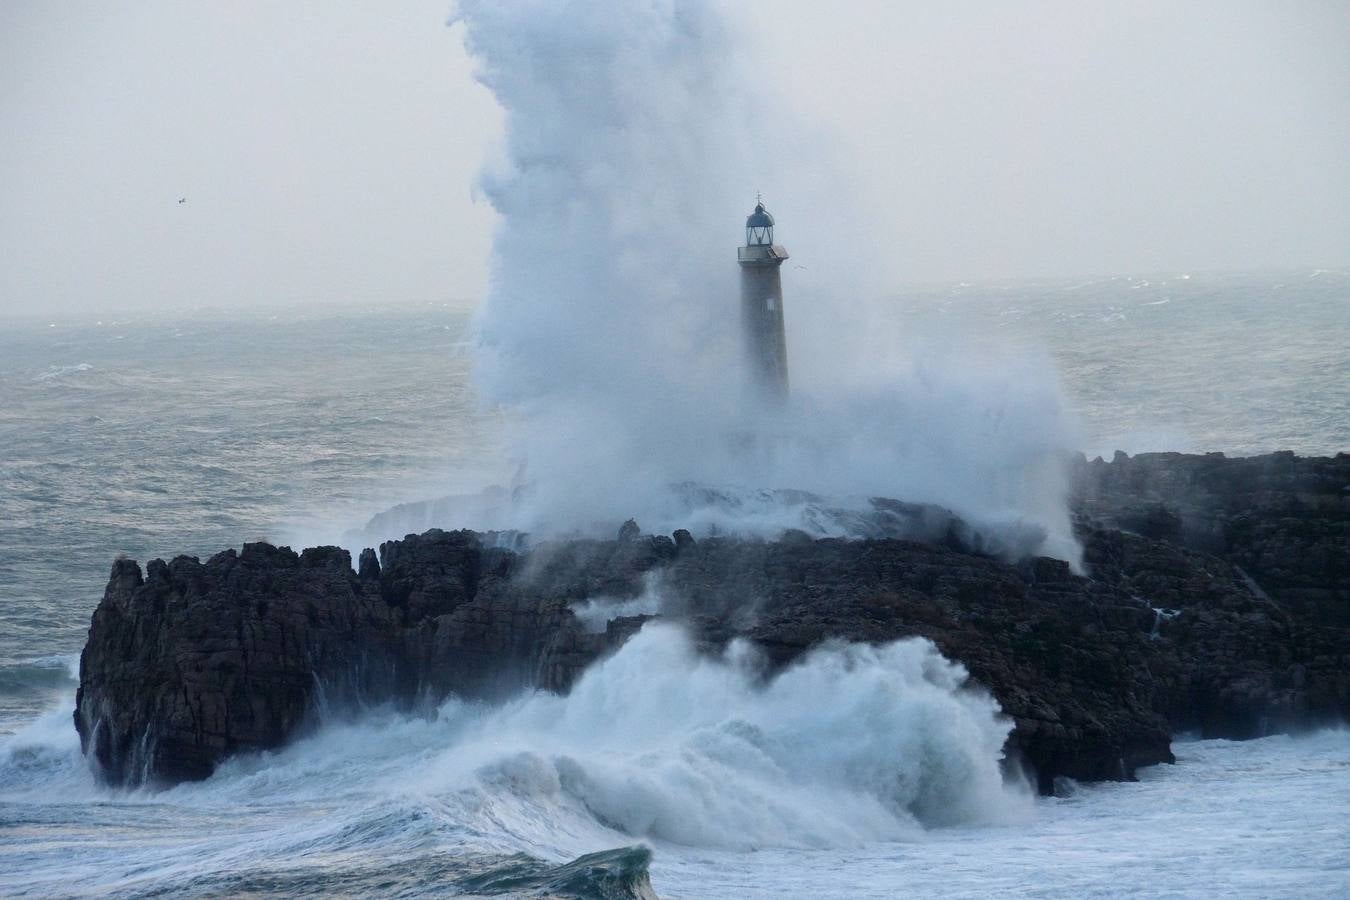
[
  {"x": 852, "y": 743},
  {"x": 848, "y": 745},
  {"x": 595, "y": 613},
  {"x": 344, "y": 812},
  {"x": 633, "y": 145},
  {"x": 404, "y": 805}
]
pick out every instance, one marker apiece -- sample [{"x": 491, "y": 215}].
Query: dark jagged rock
[
  {"x": 1284, "y": 519},
  {"x": 1283, "y": 523},
  {"x": 196, "y": 662},
  {"x": 369, "y": 569},
  {"x": 1195, "y": 616}
]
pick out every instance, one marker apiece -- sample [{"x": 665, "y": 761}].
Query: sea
[{"x": 152, "y": 435}]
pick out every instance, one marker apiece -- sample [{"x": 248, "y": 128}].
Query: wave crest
[{"x": 850, "y": 744}]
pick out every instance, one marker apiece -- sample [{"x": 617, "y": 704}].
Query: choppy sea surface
[{"x": 153, "y": 436}]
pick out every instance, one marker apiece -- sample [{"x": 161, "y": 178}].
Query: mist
[
  {"x": 610, "y": 327},
  {"x": 324, "y": 153},
  {"x": 327, "y": 152}
]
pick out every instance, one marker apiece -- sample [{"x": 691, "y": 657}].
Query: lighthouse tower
[{"x": 762, "y": 306}]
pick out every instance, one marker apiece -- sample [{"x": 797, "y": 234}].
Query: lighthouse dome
[
  {"x": 759, "y": 227},
  {"x": 760, "y": 218}
]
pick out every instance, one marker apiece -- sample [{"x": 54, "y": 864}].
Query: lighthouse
[{"x": 762, "y": 306}]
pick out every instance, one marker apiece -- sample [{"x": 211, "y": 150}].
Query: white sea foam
[
  {"x": 54, "y": 372},
  {"x": 835, "y": 773},
  {"x": 69, "y": 663},
  {"x": 596, "y": 612},
  {"x": 852, "y": 744},
  {"x": 42, "y": 760}
]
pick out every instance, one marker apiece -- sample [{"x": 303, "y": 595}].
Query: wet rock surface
[
  {"x": 1283, "y": 519},
  {"x": 1215, "y": 601}
]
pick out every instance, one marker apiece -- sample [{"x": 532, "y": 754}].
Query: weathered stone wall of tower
[{"x": 762, "y": 325}]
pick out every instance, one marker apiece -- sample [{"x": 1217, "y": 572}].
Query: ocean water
[
  {"x": 1240, "y": 363},
  {"x": 153, "y": 436}
]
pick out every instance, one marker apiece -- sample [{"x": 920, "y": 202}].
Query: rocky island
[{"x": 1215, "y": 599}]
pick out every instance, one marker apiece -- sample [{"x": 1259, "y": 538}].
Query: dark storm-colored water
[
  {"x": 1242, "y": 364},
  {"x": 152, "y": 437}
]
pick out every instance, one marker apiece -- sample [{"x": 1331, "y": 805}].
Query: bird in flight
[{"x": 182, "y": 199}]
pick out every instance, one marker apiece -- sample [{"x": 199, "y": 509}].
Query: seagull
[
  {"x": 182, "y": 199},
  {"x": 799, "y": 267}
]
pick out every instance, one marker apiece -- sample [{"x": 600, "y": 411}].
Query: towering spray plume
[{"x": 610, "y": 329}]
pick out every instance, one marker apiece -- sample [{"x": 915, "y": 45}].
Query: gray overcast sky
[{"x": 328, "y": 151}]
